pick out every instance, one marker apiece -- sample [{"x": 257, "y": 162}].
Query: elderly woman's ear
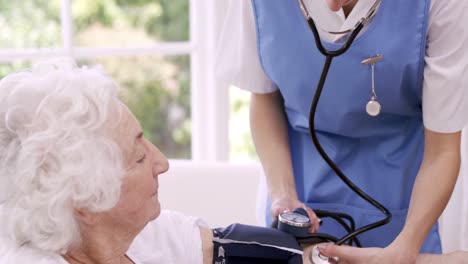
[{"x": 86, "y": 217}]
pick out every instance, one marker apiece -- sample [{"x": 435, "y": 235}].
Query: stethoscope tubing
[{"x": 329, "y": 55}]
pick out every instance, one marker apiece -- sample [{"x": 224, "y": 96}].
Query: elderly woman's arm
[{"x": 207, "y": 245}]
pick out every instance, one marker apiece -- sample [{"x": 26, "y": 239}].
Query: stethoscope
[{"x": 292, "y": 222}]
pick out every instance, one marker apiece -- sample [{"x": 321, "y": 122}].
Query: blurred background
[
  {"x": 162, "y": 55},
  {"x": 147, "y": 46}
]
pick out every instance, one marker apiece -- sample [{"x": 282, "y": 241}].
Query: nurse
[{"x": 405, "y": 153}]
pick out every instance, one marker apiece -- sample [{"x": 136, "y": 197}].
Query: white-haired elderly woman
[{"x": 79, "y": 182}]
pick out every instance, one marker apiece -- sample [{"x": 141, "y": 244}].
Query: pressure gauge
[{"x": 296, "y": 222}]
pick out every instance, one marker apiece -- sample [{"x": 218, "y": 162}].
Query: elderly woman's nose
[{"x": 160, "y": 162}]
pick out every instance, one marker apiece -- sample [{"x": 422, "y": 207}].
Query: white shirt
[
  {"x": 445, "y": 95},
  {"x": 171, "y": 238}
]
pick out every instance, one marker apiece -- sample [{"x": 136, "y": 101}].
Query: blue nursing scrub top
[{"x": 381, "y": 154}]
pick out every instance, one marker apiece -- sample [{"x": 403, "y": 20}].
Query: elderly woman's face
[{"x": 143, "y": 162}]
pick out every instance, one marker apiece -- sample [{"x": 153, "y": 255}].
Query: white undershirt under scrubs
[{"x": 445, "y": 87}]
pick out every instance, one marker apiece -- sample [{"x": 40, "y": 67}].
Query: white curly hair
[{"x": 56, "y": 152}]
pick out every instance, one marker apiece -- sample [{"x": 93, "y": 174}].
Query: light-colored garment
[
  {"x": 445, "y": 93},
  {"x": 171, "y": 238}
]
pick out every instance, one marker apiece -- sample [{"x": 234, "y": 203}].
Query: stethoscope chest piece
[{"x": 317, "y": 258}]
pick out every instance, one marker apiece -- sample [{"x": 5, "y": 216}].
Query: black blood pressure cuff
[{"x": 243, "y": 244}]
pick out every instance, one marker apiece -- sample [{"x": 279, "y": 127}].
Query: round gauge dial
[{"x": 294, "y": 219}]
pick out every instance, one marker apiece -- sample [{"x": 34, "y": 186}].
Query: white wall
[{"x": 222, "y": 193}]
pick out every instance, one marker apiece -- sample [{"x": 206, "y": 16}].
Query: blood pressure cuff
[{"x": 243, "y": 244}]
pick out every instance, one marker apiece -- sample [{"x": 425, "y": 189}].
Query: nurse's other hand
[
  {"x": 353, "y": 255},
  {"x": 279, "y": 205}
]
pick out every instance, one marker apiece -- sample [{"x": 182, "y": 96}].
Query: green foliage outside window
[
  {"x": 157, "y": 89},
  {"x": 29, "y": 23}
]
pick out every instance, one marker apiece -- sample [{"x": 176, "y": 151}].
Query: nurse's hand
[
  {"x": 351, "y": 255},
  {"x": 286, "y": 204}
]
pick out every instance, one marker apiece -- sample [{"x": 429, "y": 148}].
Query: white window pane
[
  {"x": 241, "y": 145},
  {"x": 129, "y": 22},
  {"x": 11, "y": 67},
  {"x": 28, "y": 23},
  {"x": 157, "y": 90}
]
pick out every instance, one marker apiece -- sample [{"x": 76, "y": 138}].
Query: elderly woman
[{"x": 79, "y": 182}]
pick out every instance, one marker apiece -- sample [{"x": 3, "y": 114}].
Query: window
[
  {"x": 241, "y": 148},
  {"x": 161, "y": 52}
]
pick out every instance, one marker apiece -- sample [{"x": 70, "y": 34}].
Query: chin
[{"x": 155, "y": 211}]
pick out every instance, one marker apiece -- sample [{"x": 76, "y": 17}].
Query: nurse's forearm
[
  {"x": 457, "y": 257},
  {"x": 270, "y": 136},
  {"x": 433, "y": 187}
]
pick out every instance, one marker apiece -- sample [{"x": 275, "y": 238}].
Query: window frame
[{"x": 209, "y": 99}]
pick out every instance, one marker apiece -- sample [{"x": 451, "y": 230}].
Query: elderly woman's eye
[{"x": 142, "y": 159}]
